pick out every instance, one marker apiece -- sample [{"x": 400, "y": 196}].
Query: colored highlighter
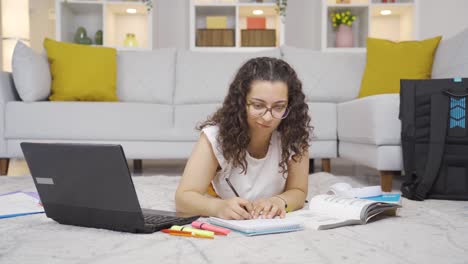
[
  {"x": 191, "y": 235},
  {"x": 168, "y": 231},
  {"x": 184, "y": 233},
  {"x": 216, "y": 229},
  {"x": 193, "y": 230}
]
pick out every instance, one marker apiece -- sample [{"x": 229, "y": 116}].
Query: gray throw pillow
[
  {"x": 451, "y": 58},
  {"x": 31, "y": 74}
]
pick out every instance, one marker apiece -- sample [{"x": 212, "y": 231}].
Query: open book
[
  {"x": 345, "y": 189},
  {"x": 258, "y": 226},
  {"x": 331, "y": 211}
]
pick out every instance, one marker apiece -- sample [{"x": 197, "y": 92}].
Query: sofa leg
[
  {"x": 137, "y": 166},
  {"x": 4, "y": 163},
  {"x": 311, "y": 166},
  {"x": 326, "y": 166},
  {"x": 386, "y": 179}
]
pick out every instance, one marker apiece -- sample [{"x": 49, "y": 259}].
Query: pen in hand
[{"x": 237, "y": 195}]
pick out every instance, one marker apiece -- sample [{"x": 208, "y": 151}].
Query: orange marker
[
  {"x": 184, "y": 233},
  {"x": 190, "y": 235},
  {"x": 168, "y": 231}
]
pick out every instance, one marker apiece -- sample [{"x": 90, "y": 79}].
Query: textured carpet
[{"x": 425, "y": 232}]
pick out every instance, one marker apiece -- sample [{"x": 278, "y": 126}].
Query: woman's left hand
[{"x": 268, "y": 208}]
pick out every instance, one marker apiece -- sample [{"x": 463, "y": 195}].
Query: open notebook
[
  {"x": 331, "y": 211},
  {"x": 258, "y": 226}
]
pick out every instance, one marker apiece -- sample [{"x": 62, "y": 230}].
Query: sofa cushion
[
  {"x": 323, "y": 119},
  {"x": 81, "y": 72},
  {"x": 327, "y": 76},
  {"x": 388, "y": 62},
  {"x": 88, "y": 121},
  {"x": 188, "y": 117},
  {"x": 451, "y": 59},
  {"x": 146, "y": 76},
  {"x": 31, "y": 74},
  {"x": 370, "y": 120},
  {"x": 203, "y": 77}
]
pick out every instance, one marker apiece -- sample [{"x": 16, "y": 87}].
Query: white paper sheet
[{"x": 18, "y": 203}]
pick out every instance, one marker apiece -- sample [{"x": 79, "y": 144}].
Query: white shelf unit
[
  {"x": 236, "y": 12},
  {"x": 110, "y": 16},
  {"x": 400, "y": 25}
]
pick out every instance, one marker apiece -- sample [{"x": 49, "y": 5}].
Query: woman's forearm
[
  {"x": 195, "y": 203},
  {"x": 295, "y": 198}
]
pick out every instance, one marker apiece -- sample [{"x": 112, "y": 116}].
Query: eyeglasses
[{"x": 259, "y": 110}]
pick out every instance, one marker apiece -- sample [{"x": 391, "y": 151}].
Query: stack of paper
[
  {"x": 258, "y": 226},
  {"x": 19, "y": 203}
]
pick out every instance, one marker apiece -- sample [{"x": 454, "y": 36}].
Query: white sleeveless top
[{"x": 263, "y": 178}]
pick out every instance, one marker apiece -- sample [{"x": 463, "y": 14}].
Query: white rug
[{"x": 432, "y": 231}]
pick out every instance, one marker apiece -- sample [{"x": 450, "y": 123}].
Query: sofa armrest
[
  {"x": 7, "y": 93},
  {"x": 370, "y": 120}
]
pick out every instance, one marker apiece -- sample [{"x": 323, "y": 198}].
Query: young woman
[{"x": 252, "y": 157}]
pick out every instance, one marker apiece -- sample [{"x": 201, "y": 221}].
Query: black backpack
[{"x": 434, "y": 138}]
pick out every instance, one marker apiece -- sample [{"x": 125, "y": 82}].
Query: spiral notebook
[{"x": 256, "y": 227}]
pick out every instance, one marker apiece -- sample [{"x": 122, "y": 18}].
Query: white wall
[
  {"x": 1, "y": 47},
  {"x": 41, "y": 25},
  {"x": 303, "y": 23},
  {"x": 442, "y": 17},
  {"x": 436, "y": 17},
  {"x": 171, "y": 23}
]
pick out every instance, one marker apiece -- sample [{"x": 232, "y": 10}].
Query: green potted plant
[
  {"x": 281, "y": 6},
  {"x": 149, "y": 4}
]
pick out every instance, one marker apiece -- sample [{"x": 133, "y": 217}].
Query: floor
[
  {"x": 433, "y": 231},
  {"x": 176, "y": 167}
]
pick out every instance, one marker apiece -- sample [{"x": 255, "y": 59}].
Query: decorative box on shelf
[
  {"x": 215, "y": 37},
  {"x": 223, "y": 24},
  {"x": 216, "y": 22},
  {"x": 256, "y": 23},
  {"x": 258, "y": 38}
]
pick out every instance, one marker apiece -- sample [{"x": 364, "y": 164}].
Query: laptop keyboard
[
  {"x": 156, "y": 222},
  {"x": 160, "y": 219}
]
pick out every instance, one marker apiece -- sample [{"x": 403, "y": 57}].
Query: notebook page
[
  {"x": 317, "y": 221},
  {"x": 256, "y": 225},
  {"x": 339, "y": 207}
]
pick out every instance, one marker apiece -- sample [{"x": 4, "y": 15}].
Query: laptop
[{"x": 90, "y": 185}]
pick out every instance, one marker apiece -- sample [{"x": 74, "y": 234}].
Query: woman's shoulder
[{"x": 210, "y": 131}]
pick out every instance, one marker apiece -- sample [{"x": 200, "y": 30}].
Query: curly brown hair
[{"x": 231, "y": 118}]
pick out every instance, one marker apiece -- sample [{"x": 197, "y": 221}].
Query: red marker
[{"x": 216, "y": 229}]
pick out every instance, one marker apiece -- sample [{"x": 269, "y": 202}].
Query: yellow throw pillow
[
  {"x": 388, "y": 62},
  {"x": 81, "y": 73}
]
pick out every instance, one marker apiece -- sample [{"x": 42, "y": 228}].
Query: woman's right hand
[{"x": 234, "y": 209}]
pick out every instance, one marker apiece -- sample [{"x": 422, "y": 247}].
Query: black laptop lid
[{"x": 84, "y": 184}]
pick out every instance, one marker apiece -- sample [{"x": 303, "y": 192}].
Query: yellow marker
[{"x": 193, "y": 230}]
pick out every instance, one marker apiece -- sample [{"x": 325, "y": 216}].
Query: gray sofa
[
  {"x": 165, "y": 93},
  {"x": 369, "y": 128}
]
